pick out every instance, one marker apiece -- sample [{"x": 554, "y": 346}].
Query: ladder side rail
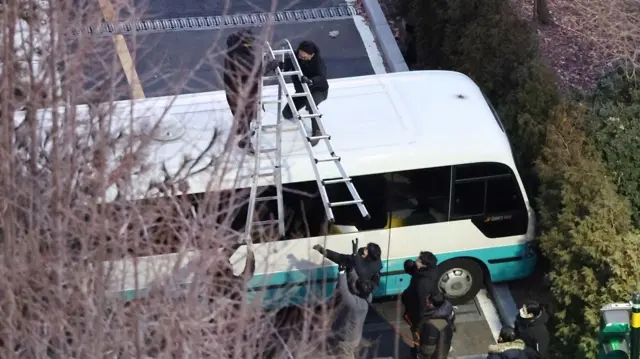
[
  {"x": 302, "y": 130},
  {"x": 314, "y": 109},
  {"x": 253, "y": 192},
  {"x": 278, "y": 169}
]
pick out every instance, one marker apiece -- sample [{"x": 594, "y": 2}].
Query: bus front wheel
[{"x": 460, "y": 279}]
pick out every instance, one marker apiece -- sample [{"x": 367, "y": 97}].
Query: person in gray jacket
[{"x": 350, "y": 315}]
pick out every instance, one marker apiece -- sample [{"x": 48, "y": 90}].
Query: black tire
[{"x": 473, "y": 271}]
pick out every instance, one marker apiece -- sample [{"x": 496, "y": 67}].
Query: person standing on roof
[
  {"x": 243, "y": 70},
  {"x": 314, "y": 73}
]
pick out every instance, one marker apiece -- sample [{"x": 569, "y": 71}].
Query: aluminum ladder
[
  {"x": 288, "y": 52},
  {"x": 261, "y": 155}
]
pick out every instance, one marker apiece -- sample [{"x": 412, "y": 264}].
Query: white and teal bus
[{"x": 428, "y": 155}]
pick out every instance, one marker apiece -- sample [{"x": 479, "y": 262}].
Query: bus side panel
[
  {"x": 505, "y": 258},
  {"x": 292, "y": 272}
]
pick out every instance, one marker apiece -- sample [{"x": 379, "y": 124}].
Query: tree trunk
[{"x": 541, "y": 12}]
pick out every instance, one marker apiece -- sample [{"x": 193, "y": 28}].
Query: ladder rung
[
  {"x": 267, "y": 150},
  {"x": 265, "y": 223},
  {"x": 336, "y": 180},
  {"x": 281, "y": 52},
  {"x": 299, "y": 94},
  {"x": 289, "y": 73},
  {"x": 264, "y": 174},
  {"x": 269, "y": 78},
  {"x": 323, "y": 137},
  {"x": 345, "y": 203},
  {"x": 284, "y": 128},
  {"x": 268, "y": 102},
  {"x": 334, "y": 158},
  {"x": 267, "y": 198},
  {"x": 311, "y": 115}
]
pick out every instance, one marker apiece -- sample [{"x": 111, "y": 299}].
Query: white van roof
[{"x": 377, "y": 123}]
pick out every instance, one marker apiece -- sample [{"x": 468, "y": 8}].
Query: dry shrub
[
  {"x": 612, "y": 26},
  {"x": 57, "y": 229}
]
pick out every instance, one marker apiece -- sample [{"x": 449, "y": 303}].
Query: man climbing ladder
[
  {"x": 314, "y": 74},
  {"x": 304, "y": 95}
]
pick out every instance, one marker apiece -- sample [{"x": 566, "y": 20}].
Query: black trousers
[
  {"x": 243, "y": 113},
  {"x": 300, "y": 102}
]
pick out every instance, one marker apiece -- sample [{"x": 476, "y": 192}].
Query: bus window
[
  {"x": 373, "y": 190},
  {"x": 304, "y": 211},
  {"x": 489, "y": 194},
  {"x": 421, "y": 196},
  {"x": 503, "y": 196},
  {"x": 478, "y": 170},
  {"x": 469, "y": 198}
]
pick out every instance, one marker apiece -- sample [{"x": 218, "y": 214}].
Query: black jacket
[
  {"x": 315, "y": 70},
  {"x": 436, "y": 332},
  {"x": 239, "y": 64},
  {"x": 364, "y": 268},
  {"x": 424, "y": 282},
  {"x": 534, "y": 332}
]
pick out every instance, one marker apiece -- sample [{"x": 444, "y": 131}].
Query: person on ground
[
  {"x": 243, "y": 71},
  {"x": 314, "y": 73},
  {"x": 508, "y": 346},
  {"x": 531, "y": 326},
  {"x": 350, "y": 315},
  {"x": 424, "y": 282},
  {"x": 436, "y": 328},
  {"x": 365, "y": 261}
]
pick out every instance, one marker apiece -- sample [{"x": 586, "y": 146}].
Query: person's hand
[
  {"x": 306, "y": 80},
  {"x": 342, "y": 268},
  {"x": 354, "y": 246},
  {"x": 319, "y": 248},
  {"x": 272, "y": 65},
  {"x": 409, "y": 265}
]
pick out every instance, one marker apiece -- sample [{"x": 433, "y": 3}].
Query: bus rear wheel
[{"x": 460, "y": 280}]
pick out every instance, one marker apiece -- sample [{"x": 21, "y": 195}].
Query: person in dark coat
[
  {"x": 243, "y": 69},
  {"x": 509, "y": 346},
  {"x": 424, "y": 282},
  {"x": 365, "y": 261},
  {"x": 350, "y": 316},
  {"x": 315, "y": 76},
  {"x": 531, "y": 327},
  {"x": 436, "y": 328}
]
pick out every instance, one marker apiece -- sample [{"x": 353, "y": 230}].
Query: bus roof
[{"x": 378, "y": 123}]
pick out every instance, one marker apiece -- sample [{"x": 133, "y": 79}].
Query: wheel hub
[{"x": 455, "y": 282}]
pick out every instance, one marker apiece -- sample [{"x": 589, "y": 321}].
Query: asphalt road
[
  {"x": 164, "y": 9},
  {"x": 183, "y": 62},
  {"x": 190, "y": 61},
  {"x": 388, "y": 335}
]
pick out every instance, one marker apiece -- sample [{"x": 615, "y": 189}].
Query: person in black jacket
[
  {"x": 365, "y": 261},
  {"x": 436, "y": 328},
  {"x": 424, "y": 282},
  {"x": 531, "y": 327},
  {"x": 243, "y": 69},
  {"x": 508, "y": 346},
  {"x": 315, "y": 76}
]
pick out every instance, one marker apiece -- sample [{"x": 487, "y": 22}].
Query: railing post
[{"x": 635, "y": 326}]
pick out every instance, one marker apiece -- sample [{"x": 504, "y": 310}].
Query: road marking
[
  {"x": 490, "y": 312},
  {"x": 126, "y": 60},
  {"x": 370, "y": 45}
]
